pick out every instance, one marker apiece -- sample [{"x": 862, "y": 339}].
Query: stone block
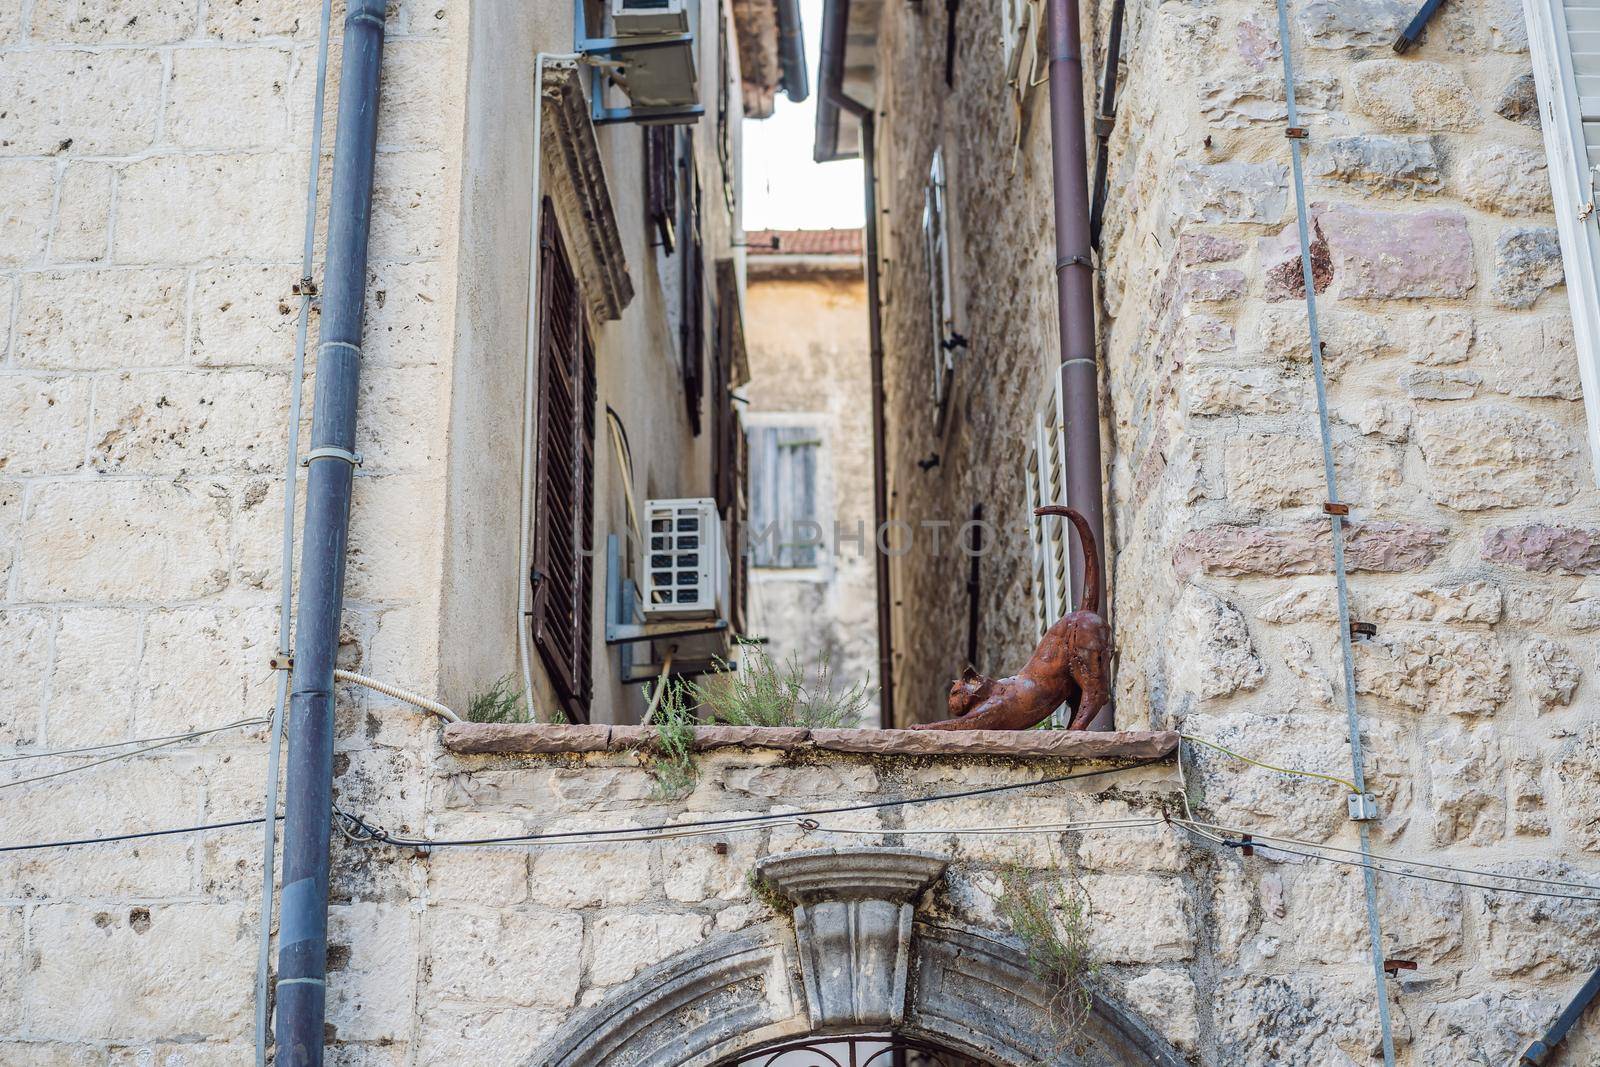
[
  {"x": 1387, "y": 420},
  {"x": 1332, "y": 24},
  {"x": 1213, "y": 286},
  {"x": 159, "y": 970},
  {"x": 1139, "y": 918},
  {"x": 1141, "y": 849},
  {"x": 244, "y": 315},
  {"x": 1231, "y": 192},
  {"x": 111, "y": 21},
  {"x": 1435, "y": 383},
  {"x": 504, "y": 956},
  {"x": 1435, "y": 670},
  {"x": 1296, "y": 1020},
  {"x": 620, "y": 946},
  {"x": 408, "y": 214},
  {"x": 1529, "y": 357},
  {"x": 416, "y": 114},
  {"x": 1468, "y": 601},
  {"x": 112, "y": 109},
  {"x": 93, "y": 320},
  {"x": 1485, "y": 1029},
  {"x": 1519, "y": 101},
  {"x": 25, "y": 215},
  {"x": 254, "y": 20},
  {"x": 587, "y": 876},
  {"x": 1578, "y": 775},
  {"x": 1526, "y": 937},
  {"x": 1410, "y": 94},
  {"x": 91, "y": 678},
  {"x": 12, "y": 971},
  {"x": 1527, "y": 264},
  {"x": 450, "y": 1033},
  {"x": 83, "y": 217},
  {"x": 47, "y": 421},
  {"x": 1385, "y": 255},
  {"x": 1267, "y": 471},
  {"x": 1495, "y": 456},
  {"x": 1544, "y": 548},
  {"x": 185, "y": 209},
  {"x": 1196, "y": 248},
  {"x": 1305, "y": 548},
  {"x": 1392, "y": 164},
  {"x": 123, "y": 541},
  {"x": 26, "y": 637},
  {"x": 254, "y": 113},
  {"x": 373, "y": 954},
  {"x": 404, "y": 413},
  {"x": 1236, "y": 103},
  {"x": 406, "y": 321},
  {"x": 1466, "y": 777},
  {"x": 393, "y": 521},
  {"x": 1213, "y": 655},
  {"x": 160, "y": 422},
  {"x": 789, "y": 783},
  {"x": 1507, "y": 179},
  {"x": 696, "y": 870},
  {"x": 1166, "y": 999},
  {"x": 234, "y": 642},
  {"x": 1581, "y": 612},
  {"x": 1507, "y": 32},
  {"x": 1551, "y": 672},
  {"x": 1221, "y": 391}
]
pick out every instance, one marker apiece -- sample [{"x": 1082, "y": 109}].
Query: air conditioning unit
[
  {"x": 630, "y": 18},
  {"x": 685, "y": 573}
]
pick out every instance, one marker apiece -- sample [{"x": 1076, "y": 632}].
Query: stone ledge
[{"x": 474, "y": 738}]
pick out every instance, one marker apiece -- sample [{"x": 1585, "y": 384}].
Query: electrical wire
[
  {"x": 1347, "y": 783},
  {"x": 138, "y": 834},
  {"x": 404, "y": 695},
  {"x": 173, "y": 738},
  {"x": 167, "y": 743}
]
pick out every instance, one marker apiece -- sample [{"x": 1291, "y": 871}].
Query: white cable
[
  {"x": 395, "y": 691},
  {"x": 161, "y": 743},
  {"x": 131, "y": 741}
]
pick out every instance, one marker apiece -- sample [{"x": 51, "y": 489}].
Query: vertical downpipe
[
  {"x": 1080, "y": 376},
  {"x": 880, "y": 461},
  {"x": 303, "y": 925}
]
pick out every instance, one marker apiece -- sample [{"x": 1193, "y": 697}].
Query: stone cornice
[{"x": 576, "y": 185}]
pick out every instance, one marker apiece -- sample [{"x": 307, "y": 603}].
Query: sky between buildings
[{"x": 783, "y": 188}]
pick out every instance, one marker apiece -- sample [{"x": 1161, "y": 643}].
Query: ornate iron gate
[{"x": 880, "y": 1050}]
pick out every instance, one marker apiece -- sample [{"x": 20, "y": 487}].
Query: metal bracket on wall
[
  {"x": 624, "y": 630},
  {"x": 606, "y": 49}
]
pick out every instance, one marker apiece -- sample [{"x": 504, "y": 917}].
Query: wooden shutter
[
  {"x": 692, "y": 325},
  {"x": 783, "y": 494},
  {"x": 563, "y": 569},
  {"x": 1564, "y": 39},
  {"x": 661, "y": 183}
]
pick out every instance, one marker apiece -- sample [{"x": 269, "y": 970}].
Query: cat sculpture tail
[{"x": 1090, "y": 601}]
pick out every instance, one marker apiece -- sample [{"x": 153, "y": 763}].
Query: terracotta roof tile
[{"x": 804, "y": 242}]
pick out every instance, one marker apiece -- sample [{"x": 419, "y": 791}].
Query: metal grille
[{"x": 882, "y": 1050}]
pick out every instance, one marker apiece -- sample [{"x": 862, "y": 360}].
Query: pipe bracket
[{"x": 331, "y": 452}]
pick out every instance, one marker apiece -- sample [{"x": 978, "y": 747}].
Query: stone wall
[{"x": 806, "y": 331}]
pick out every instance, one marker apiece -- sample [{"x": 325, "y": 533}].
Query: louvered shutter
[
  {"x": 1047, "y": 484},
  {"x": 1564, "y": 38},
  {"x": 562, "y": 558},
  {"x": 661, "y": 183},
  {"x": 783, "y": 494},
  {"x": 936, "y": 238},
  {"x": 693, "y": 325}
]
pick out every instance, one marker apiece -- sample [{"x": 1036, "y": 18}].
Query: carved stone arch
[{"x": 855, "y": 960}]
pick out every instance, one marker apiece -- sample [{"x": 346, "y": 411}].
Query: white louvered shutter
[
  {"x": 1047, "y": 484},
  {"x": 1564, "y": 38}
]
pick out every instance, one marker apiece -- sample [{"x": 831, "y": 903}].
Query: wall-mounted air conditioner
[
  {"x": 633, "y": 17},
  {"x": 684, "y": 572}
]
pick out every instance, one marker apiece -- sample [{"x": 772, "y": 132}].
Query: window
[
  {"x": 1022, "y": 31},
  {"x": 785, "y": 519},
  {"x": 563, "y": 560},
  {"x": 936, "y": 237},
  {"x": 692, "y": 321},
  {"x": 1563, "y": 38},
  {"x": 661, "y": 183},
  {"x": 1047, "y": 484}
]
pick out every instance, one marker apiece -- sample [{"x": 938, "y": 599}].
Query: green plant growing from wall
[
  {"x": 764, "y": 692},
  {"x": 501, "y": 702},
  {"x": 1051, "y": 919},
  {"x": 673, "y": 765}
]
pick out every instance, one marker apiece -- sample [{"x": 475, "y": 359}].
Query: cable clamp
[
  {"x": 1363, "y": 807},
  {"x": 1335, "y": 507},
  {"x": 1363, "y": 629},
  {"x": 331, "y": 452},
  {"x": 1073, "y": 261},
  {"x": 1104, "y": 124},
  {"x": 810, "y": 824},
  {"x": 281, "y": 663},
  {"x": 1296, "y": 133}
]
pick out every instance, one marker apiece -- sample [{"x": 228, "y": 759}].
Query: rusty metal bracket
[
  {"x": 1394, "y": 967},
  {"x": 1334, "y": 507},
  {"x": 1296, "y": 133},
  {"x": 281, "y": 663},
  {"x": 1363, "y": 629},
  {"x": 1247, "y": 845}
]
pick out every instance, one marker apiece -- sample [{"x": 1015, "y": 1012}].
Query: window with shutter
[
  {"x": 563, "y": 568},
  {"x": 1047, "y": 484},
  {"x": 785, "y": 521},
  {"x": 936, "y": 238},
  {"x": 661, "y": 183},
  {"x": 1564, "y": 39},
  {"x": 692, "y": 322}
]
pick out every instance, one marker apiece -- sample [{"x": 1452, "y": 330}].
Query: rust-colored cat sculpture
[{"x": 1070, "y": 665}]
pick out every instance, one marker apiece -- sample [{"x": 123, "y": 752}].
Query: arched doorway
[{"x": 854, "y": 964}]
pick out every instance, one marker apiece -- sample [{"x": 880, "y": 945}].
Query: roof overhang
[
  {"x": 848, "y": 74},
  {"x": 772, "y": 54}
]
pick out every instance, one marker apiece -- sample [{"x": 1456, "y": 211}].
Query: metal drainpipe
[
  {"x": 303, "y": 923},
  {"x": 1080, "y": 376}
]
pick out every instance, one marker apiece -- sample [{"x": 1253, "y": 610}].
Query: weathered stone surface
[
  {"x": 1167, "y": 999},
  {"x": 1529, "y": 357},
  {"x": 1296, "y": 1020},
  {"x": 1435, "y": 670},
  {"x": 1241, "y": 391},
  {"x": 1519, "y": 101},
  {"x": 1353, "y": 23},
  {"x": 1404, "y": 94},
  {"x": 120, "y": 540},
  {"x": 1507, "y": 31},
  {"x": 505, "y": 955},
  {"x": 48, "y": 425},
  {"x": 1231, "y": 192},
  {"x": 25, "y": 222},
  {"x": 1139, "y": 918},
  {"x": 1326, "y": 908},
  {"x": 1527, "y": 264},
  {"x": 1305, "y": 548},
  {"x": 793, "y": 782},
  {"x": 1388, "y": 420},
  {"x": 1487, "y": 1029},
  {"x": 1581, "y": 612},
  {"x": 91, "y": 682},
  {"x": 257, "y": 114},
  {"x": 1578, "y": 772},
  {"x": 1384, "y": 255},
  {"x": 252, "y": 208},
  {"x": 1215, "y": 655},
  {"x": 1437, "y": 338},
  {"x": 1267, "y": 471},
  {"x": 1432, "y": 383},
  {"x": 1505, "y": 178},
  {"x": 1531, "y": 937},
  {"x": 1405, "y": 165},
  {"x": 113, "y": 107},
  {"x": 1197, "y": 248},
  {"x": 82, "y": 230},
  {"x": 478, "y": 874},
  {"x": 1494, "y": 456},
  {"x": 92, "y": 320},
  {"x": 1283, "y": 263},
  {"x": 1526, "y": 793},
  {"x": 372, "y": 994},
  {"x": 1237, "y": 103},
  {"x": 621, "y": 946},
  {"x": 1544, "y": 548},
  {"x": 484, "y": 738},
  {"x": 177, "y": 422},
  {"x": 1551, "y": 671},
  {"x": 1213, "y": 286},
  {"x": 1469, "y": 601},
  {"x": 1466, "y": 782}
]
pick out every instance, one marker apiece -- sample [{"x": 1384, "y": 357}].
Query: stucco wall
[{"x": 807, "y": 340}]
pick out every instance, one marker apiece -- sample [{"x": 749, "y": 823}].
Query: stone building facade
[
  {"x": 153, "y": 155},
  {"x": 806, "y": 334}
]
